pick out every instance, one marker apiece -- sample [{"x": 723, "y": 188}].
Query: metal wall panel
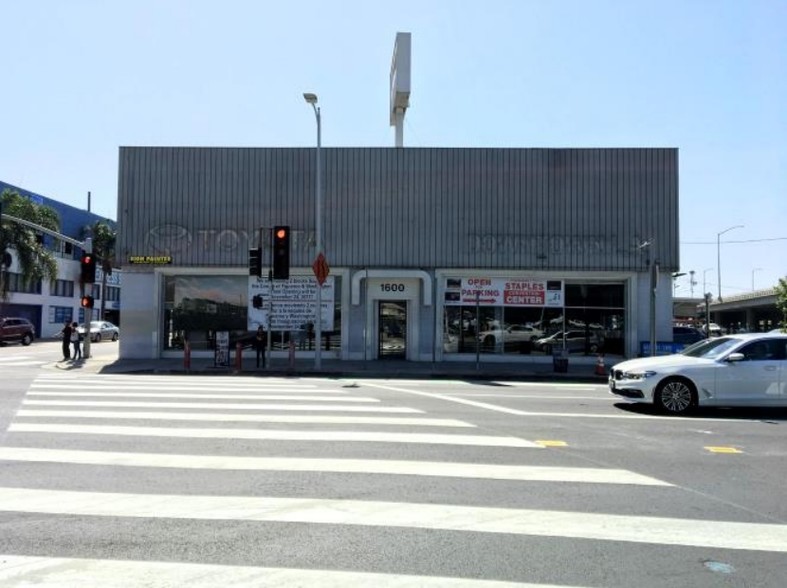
[{"x": 545, "y": 209}]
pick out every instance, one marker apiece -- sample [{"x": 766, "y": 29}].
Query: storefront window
[
  {"x": 196, "y": 307},
  {"x": 591, "y": 321}
]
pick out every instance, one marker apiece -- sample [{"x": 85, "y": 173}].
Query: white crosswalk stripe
[
  {"x": 243, "y": 418},
  {"x": 54, "y": 572},
  {"x": 360, "y": 466},
  {"x": 20, "y": 361},
  {"x": 289, "y": 435},
  {"x": 83, "y": 422},
  {"x": 638, "y": 529}
]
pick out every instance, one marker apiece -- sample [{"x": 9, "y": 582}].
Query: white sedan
[
  {"x": 510, "y": 335},
  {"x": 100, "y": 330},
  {"x": 732, "y": 370}
]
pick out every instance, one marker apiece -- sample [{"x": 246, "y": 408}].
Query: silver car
[
  {"x": 100, "y": 330},
  {"x": 574, "y": 341}
]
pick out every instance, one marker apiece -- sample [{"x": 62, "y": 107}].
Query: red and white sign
[
  {"x": 321, "y": 269},
  {"x": 504, "y": 292}
]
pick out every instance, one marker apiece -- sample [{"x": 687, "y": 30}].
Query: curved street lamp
[{"x": 718, "y": 253}]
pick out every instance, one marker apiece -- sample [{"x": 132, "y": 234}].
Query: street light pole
[
  {"x": 718, "y": 253},
  {"x": 312, "y": 99},
  {"x": 704, "y": 279}
]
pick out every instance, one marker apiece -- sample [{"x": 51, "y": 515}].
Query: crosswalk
[
  {"x": 20, "y": 361},
  {"x": 306, "y": 483}
]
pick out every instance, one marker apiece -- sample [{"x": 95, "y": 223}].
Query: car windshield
[{"x": 710, "y": 348}]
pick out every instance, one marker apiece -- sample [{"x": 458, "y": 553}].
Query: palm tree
[
  {"x": 35, "y": 261},
  {"x": 104, "y": 237}
]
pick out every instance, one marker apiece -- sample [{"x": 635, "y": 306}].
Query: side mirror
[{"x": 736, "y": 357}]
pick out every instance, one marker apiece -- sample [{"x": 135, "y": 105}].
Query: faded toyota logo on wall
[{"x": 169, "y": 239}]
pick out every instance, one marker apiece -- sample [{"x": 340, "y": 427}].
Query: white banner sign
[
  {"x": 294, "y": 303},
  {"x": 504, "y": 292}
]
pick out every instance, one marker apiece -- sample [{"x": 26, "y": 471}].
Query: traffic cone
[{"x": 601, "y": 369}]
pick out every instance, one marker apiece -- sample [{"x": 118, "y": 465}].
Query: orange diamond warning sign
[{"x": 321, "y": 269}]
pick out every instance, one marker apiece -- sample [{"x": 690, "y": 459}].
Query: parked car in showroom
[
  {"x": 16, "y": 330},
  {"x": 100, "y": 330},
  {"x": 731, "y": 370},
  {"x": 575, "y": 341},
  {"x": 510, "y": 335}
]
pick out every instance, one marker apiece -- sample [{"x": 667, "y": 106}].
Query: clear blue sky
[{"x": 81, "y": 78}]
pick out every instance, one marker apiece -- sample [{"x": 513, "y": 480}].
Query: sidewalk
[{"x": 578, "y": 370}]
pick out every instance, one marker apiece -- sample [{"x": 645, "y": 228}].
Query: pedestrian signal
[
  {"x": 255, "y": 262},
  {"x": 87, "y": 301}
]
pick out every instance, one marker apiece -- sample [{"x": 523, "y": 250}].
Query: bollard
[
  {"x": 292, "y": 354},
  {"x": 601, "y": 369},
  {"x": 187, "y": 355},
  {"x": 238, "y": 356}
]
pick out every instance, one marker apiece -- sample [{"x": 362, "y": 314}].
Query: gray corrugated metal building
[{"x": 412, "y": 236}]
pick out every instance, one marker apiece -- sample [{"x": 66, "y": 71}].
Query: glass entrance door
[{"x": 392, "y": 334}]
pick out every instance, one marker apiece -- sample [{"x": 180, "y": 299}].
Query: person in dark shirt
[
  {"x": 260, "y": 343},
  {"x": 66, "y": 334}
]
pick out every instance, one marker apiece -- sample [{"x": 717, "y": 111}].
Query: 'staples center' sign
[{"x": 504, "y": 292}]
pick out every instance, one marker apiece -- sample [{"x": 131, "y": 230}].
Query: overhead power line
[{"x": 727, "y": 242}]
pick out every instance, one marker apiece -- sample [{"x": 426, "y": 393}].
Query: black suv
[
  {"x": 686, "y": 335},
  {"x": 16, "y": 329}
]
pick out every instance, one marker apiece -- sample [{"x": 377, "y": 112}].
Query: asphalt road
[{"x": 130, "y": 480}]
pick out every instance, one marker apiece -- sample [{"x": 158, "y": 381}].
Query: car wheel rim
[{"x": 676, "y": 397}]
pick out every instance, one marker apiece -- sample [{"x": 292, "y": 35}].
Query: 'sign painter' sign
[
  {"x": 150, "y": 259},
  {"x": 503, "y": 292}
]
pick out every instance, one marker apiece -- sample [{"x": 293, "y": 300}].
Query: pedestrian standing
[
  {"x": 66, "y": 334},
  {"x": 75, "y": 341},
  {"x": 260, "y": 343}
]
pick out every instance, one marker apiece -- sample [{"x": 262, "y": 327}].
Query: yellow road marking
[
  {"x": 723, "y": 449},
  {"x": 547, "y": 443}
]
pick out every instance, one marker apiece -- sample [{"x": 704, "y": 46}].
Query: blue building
[{"x": 49, "y": 305}]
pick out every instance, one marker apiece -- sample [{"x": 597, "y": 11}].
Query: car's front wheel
[
  {"x": 675, "y": 396},
  {"x": 97, "y": 338},
  {"x": 114, "y": 336},
  {"x": 27, "y": 339}
]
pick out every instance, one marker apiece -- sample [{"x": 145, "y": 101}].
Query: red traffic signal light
[
  {"x": 281, "y": 253},
  {"x": 88, "y": 268},
  {"x": 87, "y": 301}
]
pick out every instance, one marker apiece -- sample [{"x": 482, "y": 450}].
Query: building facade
[
  {"x": 49, "y": 304},
  {"x": 435, "y": 254}
]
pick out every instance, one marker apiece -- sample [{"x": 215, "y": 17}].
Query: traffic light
[
  {"x": 87, "y": 301},
  {"x": 281, "y": 253},
  {"x": 88, "y": 268},
  {"x": 256, "y": 301},
  {"x": 255, "y": 262}
]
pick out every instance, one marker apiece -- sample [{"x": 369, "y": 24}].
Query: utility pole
[{"x": 87, "y": 247}]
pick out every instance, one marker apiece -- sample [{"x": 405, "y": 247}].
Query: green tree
[
  {"x": 35, "y": 261},
  {"x": 104, "y": 238},
  {"x": 781, "y": 302}
]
